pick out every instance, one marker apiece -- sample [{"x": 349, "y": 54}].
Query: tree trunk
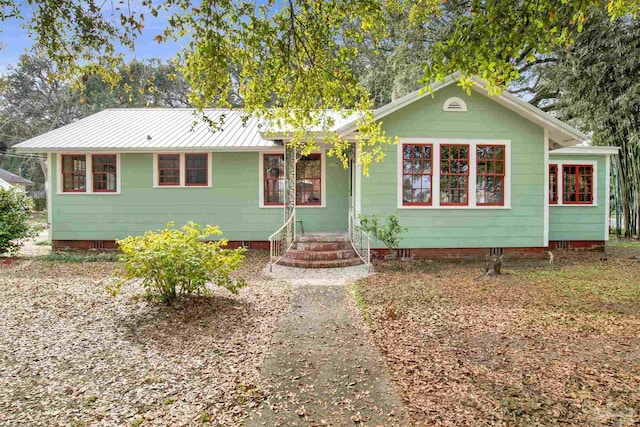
[{"x": 289, "y": 181}]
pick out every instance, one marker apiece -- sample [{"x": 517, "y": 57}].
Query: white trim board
[
  {"x": 435, "y": 180},
  {"x": 586, "y": 150}
]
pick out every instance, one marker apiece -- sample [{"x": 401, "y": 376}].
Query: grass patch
[
  {"x": 43, "y": 243},
  {"x": 81, "y": 257},
  {"x": 361, "y": 303},
  {"x": 624, "y": 243}
]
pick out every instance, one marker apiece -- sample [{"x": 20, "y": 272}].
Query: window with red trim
[
  {"x": 196, "y": 169},
  {"x": 553, "y": 184},
  {"x": 168, "y": 169},
  {"x": 577, "y": 184},
  {"x": 74, "y": 173},
  {"x": 417, "y": 174},
  {"x": 309, "y": 180},
  {"x": 454, "y": 175},
  {"x": 273, "y": 174},
  {"x": 104, "y": 173},
  {"x": 490, "y": 172}
]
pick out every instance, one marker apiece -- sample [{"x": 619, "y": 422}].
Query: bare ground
[
  {"x": 70, "y": 354},
  {"x": 541, "y": 345}
]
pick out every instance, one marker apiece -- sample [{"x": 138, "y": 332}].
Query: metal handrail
[
  {"x": 281, "y": 240},
  {"x": 360, "y": 240}
]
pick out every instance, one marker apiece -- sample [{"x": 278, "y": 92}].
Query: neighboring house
[
  {"x": 470, "y": 174},
  {"x": 4, "y": 184},
  {"x": 14, "y": 180}
]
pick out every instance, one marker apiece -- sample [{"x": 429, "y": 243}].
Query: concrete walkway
[{"x": 322, "y": 368}]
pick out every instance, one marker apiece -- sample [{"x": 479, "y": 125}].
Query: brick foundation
[
  {"x": 418, "y": 253},
  {"x": 481, "y": 253},
  {"x": 107, "y": 245}
]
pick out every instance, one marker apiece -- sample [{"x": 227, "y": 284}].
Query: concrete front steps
[{"x": 326, "y": 250}]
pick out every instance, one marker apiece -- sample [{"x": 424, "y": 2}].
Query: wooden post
[{"x": 289, "y": 180}]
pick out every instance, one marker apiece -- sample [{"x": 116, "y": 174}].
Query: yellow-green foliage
[{"x": 173, "y": 262}]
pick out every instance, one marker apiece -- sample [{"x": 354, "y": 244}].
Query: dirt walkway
[{"x": 322, "y": 367}]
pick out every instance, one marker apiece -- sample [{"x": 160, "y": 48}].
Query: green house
[{"x": 470, "y": 175}]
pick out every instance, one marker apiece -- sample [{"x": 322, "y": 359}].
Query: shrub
[
  {"x": 173, "y": 262},
  {"x": 15, "y": 208},
  {"x": 389, "y": 234}
]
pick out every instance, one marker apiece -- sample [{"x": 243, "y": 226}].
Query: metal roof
[
  {"x": 12, "y": 178},
  {"x": 152, "y": 129}
]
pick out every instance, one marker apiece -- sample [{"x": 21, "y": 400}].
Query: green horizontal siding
[
  {"x": 520, "y": 226},
  {"x": 576, "y": 222},
  {"x": 231, "y": 203}
]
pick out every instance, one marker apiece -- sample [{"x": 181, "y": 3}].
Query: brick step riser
[
  {"x": 322, "y": 239},
  {"x": 319, "y": 264},
  {"x": 326, "y": 246},
  {"x": 321, "y": 256}
]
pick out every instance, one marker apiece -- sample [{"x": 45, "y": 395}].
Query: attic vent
[{"x": 454, "y": 104}]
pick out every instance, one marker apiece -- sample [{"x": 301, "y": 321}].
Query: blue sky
[{"x": 14, "y": 40}]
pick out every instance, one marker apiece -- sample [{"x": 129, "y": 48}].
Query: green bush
[
  {"x": 173, "y": 262},
  {"x": 389, "y": 234},
  {"x": 15, "y": 208}
]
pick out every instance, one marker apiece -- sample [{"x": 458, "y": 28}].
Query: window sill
[
  {"x": 455, "y": 207},
  {"x": 297, "y": 206},
  {"x": 87, "y": 193},
  {"x": 582, "y": 205},
  {"x": 182, "y": 186}
]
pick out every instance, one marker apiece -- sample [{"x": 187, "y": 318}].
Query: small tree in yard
[
  {"x": 15, "y": 207},
  {"x": 173, "y": 262},
  {"x": 389, "y": 233}
]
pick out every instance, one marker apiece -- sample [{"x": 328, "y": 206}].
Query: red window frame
[
  {"x": 553, "y": 184},
  {"x": 187, "y": 169},
  {"x": 412, "y": 174},
  {"x": 496, "y": 161},
  {"x": 73, "y": 173},
  {"x": 96, "y": 174},
  {"x": 160, "y": 168},
  {"x": 266, "y": 179},
  {"x": 579, "y": 177},
  {"x": 450, "y": 161},
  {"x": 302, "y": 177}
]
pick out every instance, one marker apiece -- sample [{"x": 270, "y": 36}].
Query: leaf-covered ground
[
  {"x": 70, "y": 354},
  {"x": 540, "y": 345}
]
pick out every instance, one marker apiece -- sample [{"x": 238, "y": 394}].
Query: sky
[{"x": 14, "y": 40}]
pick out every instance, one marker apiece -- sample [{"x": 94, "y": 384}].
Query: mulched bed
[
  {"x": 70, "y": 354},
  {"x": 544, "y": 344}
]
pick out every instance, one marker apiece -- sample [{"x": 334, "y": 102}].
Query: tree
[
  {"x": 15, "y": 207},
  {"x": 34, "y": 101}
]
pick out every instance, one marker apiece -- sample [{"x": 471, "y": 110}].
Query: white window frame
[
  {"x": 323, "y": 184},
  {"x": 89, "y": 176},
  {"x": 183, "y": 172},
  {"x": 435, "y": 181},
  {"x": 576, "y": 162}
]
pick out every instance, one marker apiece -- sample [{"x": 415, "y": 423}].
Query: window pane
[
  {"x": 490, "y": 172},
  {"x": 196, "y": 169},
  {"x": 273, "y": 175},
  {"x": 454, "y": 171},
  {"x": 308, "y": 180},
  {"x": 74, "y": 172},
  {"x": 104, "y": 172}
]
